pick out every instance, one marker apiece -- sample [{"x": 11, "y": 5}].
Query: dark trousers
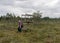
[{"x": 19, "y": 29}]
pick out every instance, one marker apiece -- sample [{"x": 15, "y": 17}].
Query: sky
[{"x": 48, "y": 8}]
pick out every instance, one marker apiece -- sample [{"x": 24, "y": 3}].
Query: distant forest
[{"x": 36, "y": 16}]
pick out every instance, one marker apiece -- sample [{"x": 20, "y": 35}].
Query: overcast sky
[{"x": 49, "y": 8}]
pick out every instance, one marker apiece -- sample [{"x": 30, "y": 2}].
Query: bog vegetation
[{"x": 40, "y": 30}]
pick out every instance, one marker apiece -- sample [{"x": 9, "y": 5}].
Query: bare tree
[{"x": 37, "y": 15}]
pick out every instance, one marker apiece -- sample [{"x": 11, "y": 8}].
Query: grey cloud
[
  {"x": 22, "y": 0},
  {"x": 29, "y": 6},
  {"x": 6, "y": 2}
]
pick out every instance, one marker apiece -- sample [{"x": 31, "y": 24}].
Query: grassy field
[{"x": 44, "y": 32}]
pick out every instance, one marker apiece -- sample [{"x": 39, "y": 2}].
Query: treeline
[
  {"x": 36, "y": 16},
  {"x": 9, "y": 17},
  {"x": 13, "y": 17}
]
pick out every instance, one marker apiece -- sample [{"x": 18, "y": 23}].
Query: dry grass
[{"x": 35, "y": 33}]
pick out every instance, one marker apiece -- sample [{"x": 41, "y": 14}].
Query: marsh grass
[{"x": 43, "y": 32}]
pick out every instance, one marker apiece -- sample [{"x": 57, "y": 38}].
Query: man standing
[{"x": 20, "y": 26}]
